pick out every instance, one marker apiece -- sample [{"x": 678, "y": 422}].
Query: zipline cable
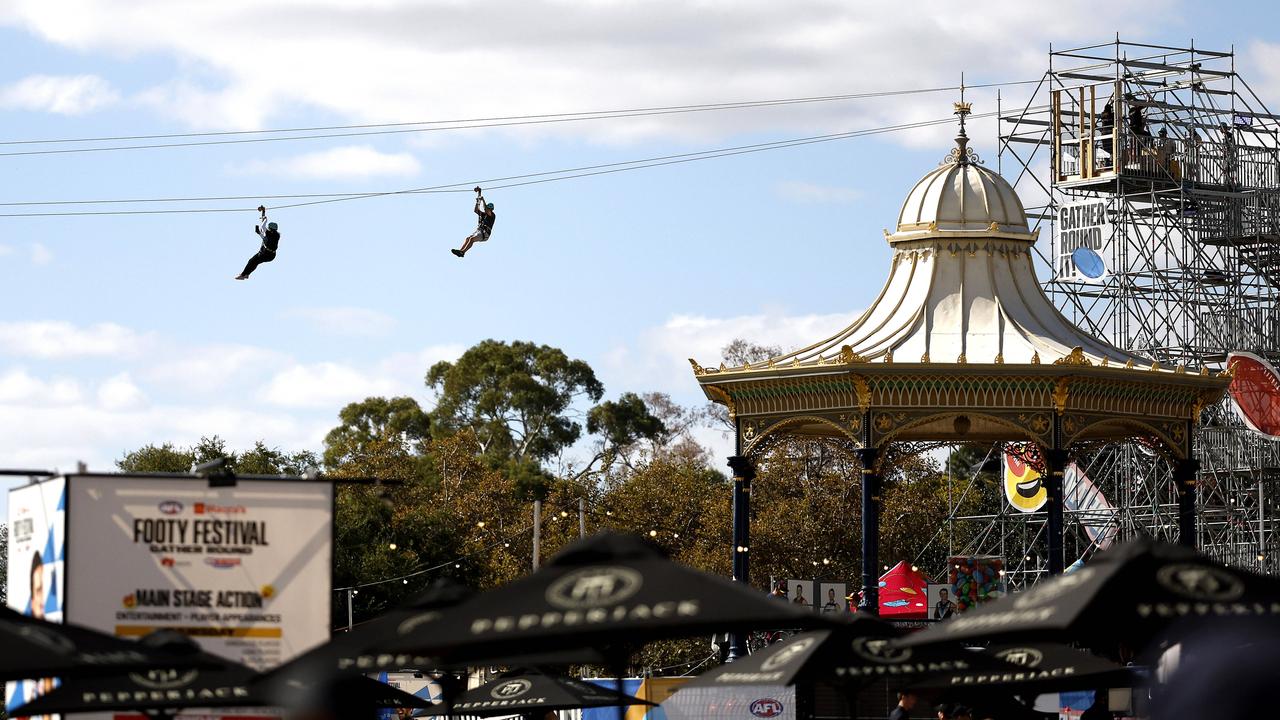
[
  {"x": 460, "y": 187},
  {"x": 499, "y": 121}
]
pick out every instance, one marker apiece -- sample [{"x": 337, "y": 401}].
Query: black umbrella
[
  {"x": 1037, "y": 668},
  {"x": 854, "y": 654},
  {"x": 534, "y": 692},
  {"x": 217, "y": 682},
  {"x": 362, "y": 649},
  {"x": 36, "y": 649},
  {"x": 1127, "y": 594},
  {"x": 608, "y": 591}
]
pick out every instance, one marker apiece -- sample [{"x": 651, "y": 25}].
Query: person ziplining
[
  {"x": 270, "y": 235},
  {"x": 483, "y": 230}
]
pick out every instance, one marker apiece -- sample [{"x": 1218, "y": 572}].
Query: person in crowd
[
  {"x": 906, "y": 702},
  {"x": 943, "y": 712}
]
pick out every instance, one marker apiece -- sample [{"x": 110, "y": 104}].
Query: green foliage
[
  {"x": 624, "y": 421},
  {"x": 375, "y": 418},
  {"x": 515, "y": 397},
  {"x": 259, "y": 460}
]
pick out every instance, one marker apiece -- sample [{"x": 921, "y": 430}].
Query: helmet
[
  {"x": 271, "y": 226},
  {"x": 488, "y": 206}
]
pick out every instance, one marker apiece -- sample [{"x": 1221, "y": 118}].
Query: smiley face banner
[{"x": 1022, "y": 485}]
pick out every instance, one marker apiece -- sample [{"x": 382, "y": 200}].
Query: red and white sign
[{"x": 1255, "y": 388}]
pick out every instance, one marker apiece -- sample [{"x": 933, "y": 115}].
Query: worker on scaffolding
[
  {"x": 1165, "y": 155},
  {"x": 1106, "y": 126}
]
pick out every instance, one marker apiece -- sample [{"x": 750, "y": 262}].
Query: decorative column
[
  {"x": 744, "y": 472},
  {"x": 1055, "y": 462},
  {"x": 1184, "y": 477},
  {"x": 870, "y": 602}
]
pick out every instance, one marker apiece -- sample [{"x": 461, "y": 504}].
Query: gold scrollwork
[
  {"x": 724, "y": 397},
  {"x": 697, "y": 369},
  {"x": 848, "y": 356},
  {"x": 1038, "y": 423},
  {"x": 1061, "y": 390},
  {"x": 863, "y": 391},
  {"x": 1075, "y": 357}
]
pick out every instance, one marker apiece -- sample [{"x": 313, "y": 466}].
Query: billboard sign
[
  {"x": 1082, "y": 240},
  {"x": 37, "y": 553},
  {"x": 245, "y": 570}
]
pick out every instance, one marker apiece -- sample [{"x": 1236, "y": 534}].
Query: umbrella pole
[{"x": 618, "y": 664}]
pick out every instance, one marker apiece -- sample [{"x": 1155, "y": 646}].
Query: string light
[
  {"x": 392, "y": 546},
  {"x": 480, "y": 524}
]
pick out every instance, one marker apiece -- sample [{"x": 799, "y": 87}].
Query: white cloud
[
  {"x": 325, "y": 384},
  {"x": 357, "y": 161},
  {"x": 345, "y": 320},
  {"x": 211, "y": 369},
  {"x": 5, "y": 250},
  {"x": 659, "y": 359},
  {"x": 17, "y": 386},
  {"x": 119, "y": 393},
  {"x": 401, "y": 60},
  {"x": 61, "y": 94},
  {"x": 56, "y": 340},
  {"x": 807, "y": 192},
  {"x": 40, "y": 255}
]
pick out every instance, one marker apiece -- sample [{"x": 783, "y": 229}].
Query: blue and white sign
[{"x": 1082, "y": 240}]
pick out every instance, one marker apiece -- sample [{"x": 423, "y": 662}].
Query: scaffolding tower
[{"x": 1164, "y": 165}]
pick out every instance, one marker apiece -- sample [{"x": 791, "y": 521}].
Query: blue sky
[{"x": 118, "y": 331}]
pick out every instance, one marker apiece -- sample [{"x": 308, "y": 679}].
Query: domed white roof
[{"x": 961, "y": 196}]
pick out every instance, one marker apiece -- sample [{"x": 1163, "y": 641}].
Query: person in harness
[
  {"x": 487, "y": 216},
  {"x": 270, "y": 235}
]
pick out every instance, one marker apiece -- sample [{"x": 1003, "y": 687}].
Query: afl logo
[
  {"x": 594, "y": 587},
  {"x": 510, "y": 689},
  {"x": 1022, "y": 485},
  {"x": 170, "y": 507},
  {"x": 766, "y": 708}
]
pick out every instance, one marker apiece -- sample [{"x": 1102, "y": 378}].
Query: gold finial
[
  {"x": 1035, "y": 358},
  {"x": 1105, "y": 361},
  {"x": 888, "y": 356},
  {"x": 1155, "y": 365},
  {"x": 1180, "y": 370},
  {"x": 925, "y": 357},
  {"x": 962, "y": 360},
  {"x": 999, "y": 358},
  {"x": 1204, "y": 370},
  {"x": 1129, "y": 365},
  {"x": 697, "y": 369}
]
